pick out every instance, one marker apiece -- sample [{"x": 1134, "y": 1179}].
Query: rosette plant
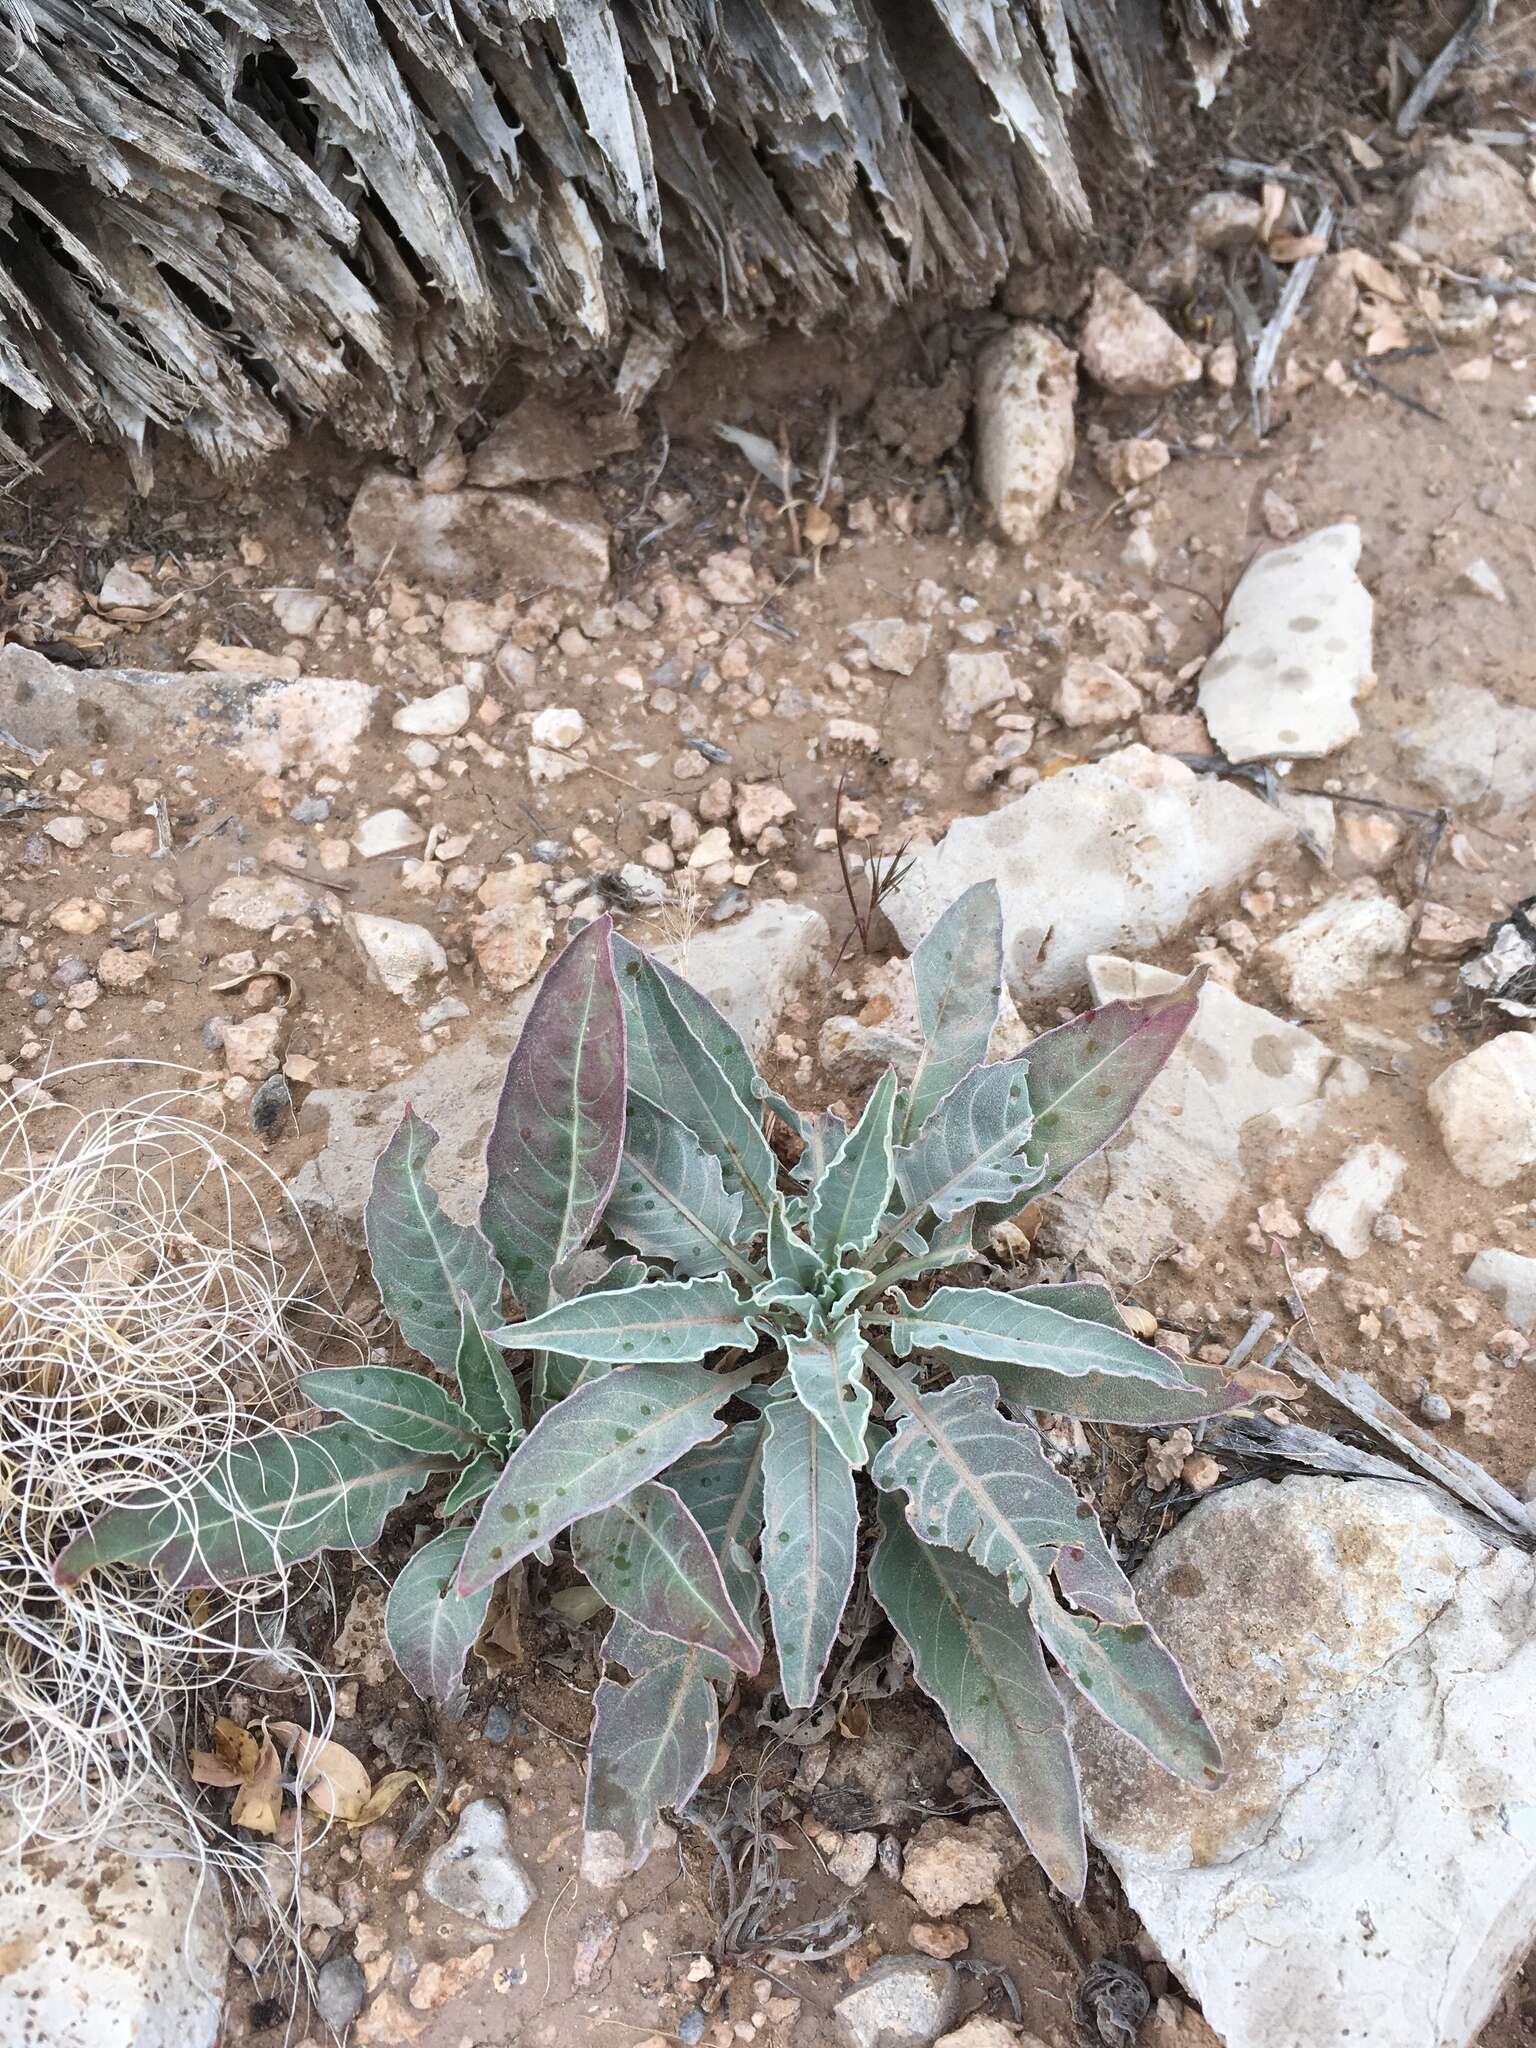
[{"x": 736, "y": 1376}]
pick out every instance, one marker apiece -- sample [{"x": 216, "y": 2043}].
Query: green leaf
[
  {"x": 263, "y": 1504},
  {"x": 1086, "y": 1077},
  {"x": 404, "y": 1408},
  {"x": 472, "y": 1484},
  {"x": 823, "y": 1133},
  {"x": 554, "y": 1148},
  {"x": 958, "y": 974},
  {"x": 987, "y": 1677},
  {"x": 652, "y": 1741},
  {"x": 670, "y": 1200},
  {"x": 651, "y": 1561},
  {"x": 984, "y": 1325},
  {"x": 665, "y": 1321},
  {"x": 588, "y": 1452},
  {"x": 486, "y": 1385},
  {"x": 430, "y": 1626},
  {"x": 423, "y": 1263},
  {"x": 851, "y": 1195},
  {"x": 827, "y": 1366},
  {"x": 790, "y": 1258},
  {"x": 1097, "y": 1397},
  {"x": 980, "y": 1484},
  {"x": 721, "y": 1483},
  {"x": 971, "y": 1149},
  {"x": 675, "y": 1056},
  {"x": 810, "y": 1542},
  {"x": 714, "y": 1031}
]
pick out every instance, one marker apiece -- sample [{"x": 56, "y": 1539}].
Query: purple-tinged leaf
[
  {"x": 651, "y": 1561},
  {"x": 429, "y": 1625},
  {"x": 554, "y": 1149},
  {"x": 398, "y": 1407},
  {"x": 263, "y": 1504},
  {"x": 980, "y": 1484},
  {"x": 982, "y": 1325},
  {"x": 652, "y": 1741},
  {"x": 981, "y": 1665},
  {"x": 1087, "y": 1076},
  {"x": 597, "y": 1445},
  {"x": 656, "y": 1323},
  {"x": 422, "y": 1262},
  {"x": 486, "y": 1385},
  {"x": 810, "y": 1543}
]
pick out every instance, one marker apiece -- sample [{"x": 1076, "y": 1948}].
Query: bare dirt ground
[{"x": 1429, "y": 453}]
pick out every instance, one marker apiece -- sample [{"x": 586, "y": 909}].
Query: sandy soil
[{"x": 1438, "y": 472}]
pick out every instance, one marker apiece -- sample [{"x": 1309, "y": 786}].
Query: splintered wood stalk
[{"x": 228, "y": 249}]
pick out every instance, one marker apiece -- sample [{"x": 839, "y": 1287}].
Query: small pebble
[{"x": 1434, "y": 1407}]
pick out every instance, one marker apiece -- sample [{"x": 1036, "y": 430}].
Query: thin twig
[
  {"x": 1361, "y": 369},
  {"x": 1456, "y": 51}
]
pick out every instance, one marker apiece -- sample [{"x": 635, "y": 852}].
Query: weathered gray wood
[{"x": 224, "y": 218}]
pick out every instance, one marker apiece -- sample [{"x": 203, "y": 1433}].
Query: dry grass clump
[{"x": 149, "y": 1317}]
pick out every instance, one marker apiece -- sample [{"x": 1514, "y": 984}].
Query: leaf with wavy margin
[
  {"x": 486, "y": 1385},
  {"x": 652, "y": 1562},
  {"x": 985, "y": 1326},
  {"x": 722, "y": 1484},
  {"x": 669, "y": 1200},
  {"x": 652, "y": 1741},
  {"x": 982, "y": 1667},
  {"x": 982, "y": 1485},
  {"x": 971, "y": 1149},
  {"x": 422, "y": 1262},
  {"x": 662, "y": 1322},
  {"x": 588, "y": 1452},
  {"x": 1118, "y": 1397},
  {"x": 958, "y": 974},
  {"x": 429, "y": 1625},
  {"x": 810, "y": 1543},
  {"x": 554, "y": 1148},
  {"x": 826, "y": 1366},
  {"x": 398, "y": 1407},
  {"x": 263, "y": 1504},
  {"x": 681, "y": 1062},
  {"x": 850, "y": 1196}
]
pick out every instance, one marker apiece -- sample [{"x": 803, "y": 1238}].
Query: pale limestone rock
[
  {"x": 975, "y": 681},
  {"x": 1365, "y": 1656},
  {"x": 1128, "y": 348},
  {"x": 1026, "y": 436},
  {"x": 1353, "y": 1196},
  {"x": 1296, "y": 653},
  {"x": 437, "y": 717},
  {"x": 456, "y": 540},
  {"x": 108, "y": 1948},
  {"x": 1484, "y": 1106},
  {"x": 1510, "y": 1278},
  {"x": 1241, "y": 1090},
  {"x": 1473, "y": 749},
  {"x": 400, "y": 955},
  {"x": 1351, "y": 942},
  {"x": 1143, "y": 839}
]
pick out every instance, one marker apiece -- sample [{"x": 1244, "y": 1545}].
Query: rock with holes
[
  {"x": 100, "y": 1948},
  {"x": 1353, "y": 941},
  {"x": 1142, "y": 839},
  {"x": 1242, "y": 1090},
  {"x": 1473, "y": 750},
  {"x": 1026, "y": 432},
  {"x": 1366, "y": 1656},
  {"x": 1295, "y": 655}
]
